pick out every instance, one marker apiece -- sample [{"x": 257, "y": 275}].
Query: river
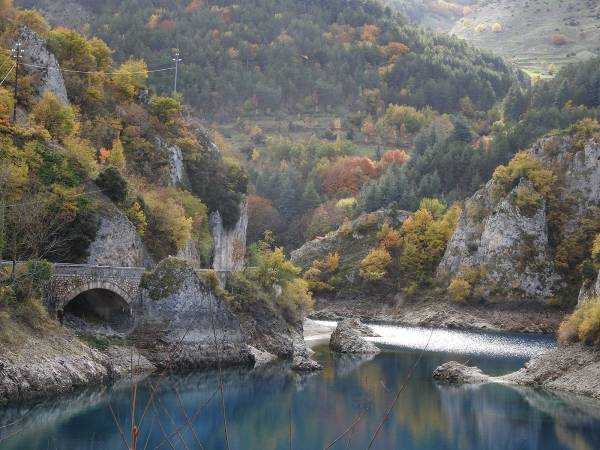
[{"x": 266, "y": 405}]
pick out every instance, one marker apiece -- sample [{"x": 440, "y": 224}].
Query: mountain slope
[
  {"x": 536, "y": 36},
  {"x": 290, "y": 55}
]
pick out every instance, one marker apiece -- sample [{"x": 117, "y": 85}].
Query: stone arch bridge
[
  {"x": 101, "y": 293},
  {"x": 70, "y": 281}
]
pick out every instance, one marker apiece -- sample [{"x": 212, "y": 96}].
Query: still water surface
[{"x": 259, "y": 404}]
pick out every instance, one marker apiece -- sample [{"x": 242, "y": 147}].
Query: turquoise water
[{"x": 262, "y": 404}]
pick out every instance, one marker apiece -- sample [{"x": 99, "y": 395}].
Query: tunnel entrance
[{"x": 98, "y": 311}]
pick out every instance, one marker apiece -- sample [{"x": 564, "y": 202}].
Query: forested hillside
[
  {"x": 289, "y": 55},
  {"x": 93, "y": 128}
]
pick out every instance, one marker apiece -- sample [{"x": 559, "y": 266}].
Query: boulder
[
  {"x": 347, "y": 338},
  {"x": 260, "y": 358},
  {"x": 455, "y": 373},
  {"x": 301, "y": 360}
]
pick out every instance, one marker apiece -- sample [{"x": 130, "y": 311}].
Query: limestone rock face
[
  {"x": 190, "y": 253},
  {"x": 57, "y": 362},
  {"x": 181, "y": 324},
  {"x": 36, "y": 53},
  {"x": 117, "y": 244},
  {"x": 512, "y": 248},
  {"x": 177, "y": 173},
  {"x": 589, "y": 290},
  {"x": 455, "y": 373},
  {"x": 347, "y": 338},
  {"x": 229, "y": 245},
  {"x": 580, "y": 171}
]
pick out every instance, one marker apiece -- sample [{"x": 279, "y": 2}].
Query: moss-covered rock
[{"x": 166, "y": 278}]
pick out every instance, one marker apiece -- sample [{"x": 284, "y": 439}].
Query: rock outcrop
[
  {"x": 590, "y": 289},
  {"x": 510, "y": 247},
  {"x": 57, "y": 362},
  {"x": 229, "y": 245},
  {"x": 570, "y": 368},
  {"x": 181, "y": 324},
  {"x": 260, "y": 358},
  {"x": 455, "y": 373},
  {"x": 117, "y": 244},
  {"x": 301, "y": 360},
  {"x": 348, "y": 338},
  {"x": 190, "y": 253},
  {"x": 352, "y": 242},
  {"x": 42, "y": 64}
]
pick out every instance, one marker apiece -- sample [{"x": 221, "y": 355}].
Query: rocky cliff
[
  {"x": 510, "y": 246},
  {"x": 117, "y": 244},
  {"x": 42, "y": 65},
  {"x": 514, "y": 239},
  {"x": 229, "y": 245},
  {"x": 180, "y": 323}
]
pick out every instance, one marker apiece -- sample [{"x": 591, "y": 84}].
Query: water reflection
[{"x": 259, "y": 404}]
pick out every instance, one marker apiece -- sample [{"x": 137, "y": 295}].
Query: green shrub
[
  {"x": 113, "y": 184},
  {"x": 20, "y": 297},
  {"x": 583, "y": 325},
  {"x": 459, "y": 289},
  {"x": 56, "y": 117},
  {"x": 527, "y": 200}
]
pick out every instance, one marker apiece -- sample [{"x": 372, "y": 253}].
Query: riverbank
[
  {"x": 55, "y": 362},
  {"x": 511, "y": 317}
]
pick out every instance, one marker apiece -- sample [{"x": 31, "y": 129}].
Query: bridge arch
[
  {"x": 96, "y": 303},
  {"x": 95, "y": 285}
]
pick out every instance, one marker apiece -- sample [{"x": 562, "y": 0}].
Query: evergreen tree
[
  {"x": 515, "y": 103},
  {"x": 310, "y": 198},
  {"x": 563, "y": 95},
  {"x": 462, "y": 131}
]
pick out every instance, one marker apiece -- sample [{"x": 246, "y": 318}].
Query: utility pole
[
  {"x": 177, "y": 60},
  {"x": 17, "y": 53}
]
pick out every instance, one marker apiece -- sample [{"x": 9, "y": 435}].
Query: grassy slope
[{"x": 528, "y": 26}]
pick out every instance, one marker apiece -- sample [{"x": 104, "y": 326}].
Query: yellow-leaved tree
[
  {"x": 117, "y": 155},
  {"x": 130, "y": 77}
]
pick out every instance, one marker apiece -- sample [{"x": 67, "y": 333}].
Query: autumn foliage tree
[
  {"x": 347, "y": 175},
  {"x": 262, "y": 216}
]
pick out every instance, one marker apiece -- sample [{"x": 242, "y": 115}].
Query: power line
[
  {"x": 97, "y": 71},
  {"x": 4, "y": 64},
  {"x": 7, "y": 74}
]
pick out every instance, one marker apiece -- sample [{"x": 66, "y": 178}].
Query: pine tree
[
  {"x": 291, "y": 196},
  {"x": 310, "y": 198},
  {"x": 462, "y": 131},
  {"x": 563, "y": 95},
  {"x": 515, "y": 103}
]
